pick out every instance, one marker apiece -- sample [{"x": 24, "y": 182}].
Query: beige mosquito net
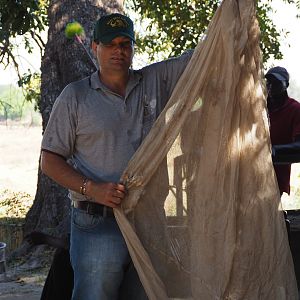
[{"x": 202, "y": 219}]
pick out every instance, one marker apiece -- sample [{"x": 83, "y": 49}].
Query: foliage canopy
[
  {"x": 176, "y": 25},
  {"x": 25, "y": 20},
  {"x": 173, "y": 25},
  {"x": 22, "y": 18}
]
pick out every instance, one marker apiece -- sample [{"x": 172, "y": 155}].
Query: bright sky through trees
[{"x": 284, "y": 17}]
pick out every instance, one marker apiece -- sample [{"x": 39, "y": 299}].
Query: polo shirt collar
[
  {"x": 95, "y": 81},
  {"x": 134, "y": 79}
]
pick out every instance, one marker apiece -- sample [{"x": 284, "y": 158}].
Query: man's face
[
  {"x": 275, "y": 87},
  {"x": 114, "y": 56}
]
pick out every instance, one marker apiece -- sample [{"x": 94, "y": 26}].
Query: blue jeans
[{"x": 100, "y": 259}]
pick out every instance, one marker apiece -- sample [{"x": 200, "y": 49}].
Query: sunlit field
[{"x": 20, "y": 149}]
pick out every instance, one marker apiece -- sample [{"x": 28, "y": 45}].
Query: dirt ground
[{"x": 20, "y": 284}]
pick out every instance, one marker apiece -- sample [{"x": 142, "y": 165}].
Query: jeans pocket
[{"x": 83, "y": 220}]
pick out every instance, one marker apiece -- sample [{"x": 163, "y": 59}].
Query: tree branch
[{"x": 39, "y": 41}]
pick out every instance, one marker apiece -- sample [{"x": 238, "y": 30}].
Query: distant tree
[{"x": 11, "y": 103}]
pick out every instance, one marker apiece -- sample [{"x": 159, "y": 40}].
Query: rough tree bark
[{"x": 64, "y": 61}]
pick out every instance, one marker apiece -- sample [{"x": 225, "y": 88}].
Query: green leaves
[
  {"x": 25, "y": 18},
  {"x": 18, "y": 17},
  {"x": 180, "y": 23},
  {"x": 30, "y": 84}
]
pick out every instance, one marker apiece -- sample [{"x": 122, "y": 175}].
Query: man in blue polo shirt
[{"x": 95, "y": 127}]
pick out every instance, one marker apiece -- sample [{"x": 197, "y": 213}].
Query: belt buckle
[
  {"x": 88, "y": 210},
  {"x": 91, "y": 211}
]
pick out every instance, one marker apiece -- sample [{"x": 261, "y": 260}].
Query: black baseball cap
[
  {"x": 279, "y": 73},
  {"x": 111, "y": 26}
]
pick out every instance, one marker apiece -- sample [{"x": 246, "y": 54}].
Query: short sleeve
[
  {"x": 173, "y": 69},
  {"x": 60, "y": 133}
]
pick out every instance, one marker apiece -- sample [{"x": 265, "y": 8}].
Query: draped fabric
[{"x": 202, "y": 219}]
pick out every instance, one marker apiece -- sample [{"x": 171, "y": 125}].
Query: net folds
[{"x": 202, "y": 219}]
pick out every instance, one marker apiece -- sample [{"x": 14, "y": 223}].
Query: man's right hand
[
  {"x": 56, "y": 167},
  {"x": 109, "y": 194}
]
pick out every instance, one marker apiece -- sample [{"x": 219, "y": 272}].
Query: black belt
[{"x": 94, "y": 208}]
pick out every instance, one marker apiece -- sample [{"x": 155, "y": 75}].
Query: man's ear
[{"x": 94, "y": 48}]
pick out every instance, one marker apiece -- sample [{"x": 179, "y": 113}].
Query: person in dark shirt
[{"x": 284, "y": 114}]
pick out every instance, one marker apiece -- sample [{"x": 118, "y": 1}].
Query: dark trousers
[{"x": 59, "y": 282}]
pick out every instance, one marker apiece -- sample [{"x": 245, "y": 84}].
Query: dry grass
[{"x": 14, "y": 205}]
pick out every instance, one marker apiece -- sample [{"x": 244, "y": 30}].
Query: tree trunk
[{"x": 64, "y": 61}]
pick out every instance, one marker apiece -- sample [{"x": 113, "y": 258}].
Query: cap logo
[{"x": 117, "y": 22}]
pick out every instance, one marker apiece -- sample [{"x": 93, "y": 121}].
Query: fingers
[
  {"x": 115, "y": 190},
  {"x": 118, "y": 193},
  {"x": 120, "y": 187},
  {"x": 110, "y": 194}
]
